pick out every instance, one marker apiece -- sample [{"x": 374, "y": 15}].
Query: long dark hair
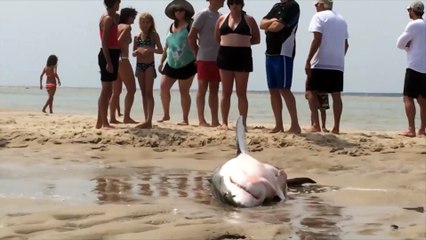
[{"x": 52, "y": 60}]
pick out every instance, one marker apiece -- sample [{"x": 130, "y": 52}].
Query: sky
[{"x": 31, "y": 30}]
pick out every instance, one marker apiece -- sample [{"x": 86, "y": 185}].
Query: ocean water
[{"x": 361, "y": 111}]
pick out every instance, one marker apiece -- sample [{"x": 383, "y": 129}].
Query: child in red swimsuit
[{"x": 52, "y": 76}]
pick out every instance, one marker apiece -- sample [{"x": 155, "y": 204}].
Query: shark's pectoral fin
[{"x": 298, "y": 182}]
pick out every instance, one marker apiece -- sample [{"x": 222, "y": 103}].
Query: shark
[{"x": 244, "y": 181}]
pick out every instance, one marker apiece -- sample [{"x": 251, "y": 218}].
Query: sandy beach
[{"x": 60, "y": 178}]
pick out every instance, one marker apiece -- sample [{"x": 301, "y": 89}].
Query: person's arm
[
  {"x": 135, "y": 46},
  {"x": 55, "y": 71},
  {"x": 316, "y": 43},
  {"x": 404, "y": 40},
  {"x": 158, "y": 48},
  {"x": 192, "y": 40},
  {"x": 346, "y": 46},
  {"x": 41, "y": 78},
  {"x": 125, "y": 35},
  {"x": 275, "y": 26},
  {"x": 255, "y": 32},
  {"x": 106, "y": 26},
  {"x": 163, "y": 58},
  {"x": 265, "y": 23}
]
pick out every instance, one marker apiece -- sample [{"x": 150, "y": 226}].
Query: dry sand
[{"x": 62, "y": 179}]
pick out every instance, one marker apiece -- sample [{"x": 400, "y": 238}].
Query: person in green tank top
[{"x": 178, "y": 60}]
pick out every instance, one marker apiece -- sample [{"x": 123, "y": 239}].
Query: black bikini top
[{"x": 242, "y": 28}]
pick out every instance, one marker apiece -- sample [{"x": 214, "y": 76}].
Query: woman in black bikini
[{"x": 235, "y": 32}]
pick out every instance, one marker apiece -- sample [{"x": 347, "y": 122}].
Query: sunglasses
[
  {"x": 231, "y": 2},
  {"x": 179, "y": 9},
  {"x": 317, "y": 4}
]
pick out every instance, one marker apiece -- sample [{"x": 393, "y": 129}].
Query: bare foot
[
  {"x": 335, "y": 131},
  {"x": 114, "y": 121},
  {"x": 145, "y": 125},
  {"x": 164, "y": 119},
  {"x": 129, "y": 120},
  {"x": 107, "y": 127},
  {"x": 98, "y": 124},
  {"x": 204, "y": 124},
  {"x": 183, "y": 123},
  {"x": 223, "y": 127},
  {"x": 215, "y": 124},
  {"x": 421, "y": 133},
  {"x": 276, "y": 130},
  {"x": 314, "y": 129},
  {"x": 408, "y": 133},
  {"x": 325, "y": 130},
  {"x": 43, "y": 110},
  {"x": 294, "y": 130}
]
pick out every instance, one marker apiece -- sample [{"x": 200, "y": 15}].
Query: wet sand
[{"x": 62, "y": 179}]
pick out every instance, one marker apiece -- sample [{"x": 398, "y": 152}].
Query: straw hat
[{"x": 177, "y": 4}]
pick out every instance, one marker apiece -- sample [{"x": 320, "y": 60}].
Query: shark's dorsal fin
[{"x": 241, "y": 137}]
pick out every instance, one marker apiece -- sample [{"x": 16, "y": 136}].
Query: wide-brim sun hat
[{"x": 179, "y": 4}]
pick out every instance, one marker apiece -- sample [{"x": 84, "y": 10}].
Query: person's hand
[
  {"x": 143, "y": 51},
  {"x": 59, "y": 83},
  {"x": 109, "y": 68},
  {"x": 308, "y": 70},
  {"x": 135, "y": 53},
  {"x": 41, "y": 87},
  {"x": 160, "y": 68}
]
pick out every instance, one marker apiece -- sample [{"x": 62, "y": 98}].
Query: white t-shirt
[
  {"x": 415, "y": 34},
  {"x": 331, "y": 53}
]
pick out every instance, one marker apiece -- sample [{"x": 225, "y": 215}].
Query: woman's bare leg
[
  {"x": 166, "y": 85},
  {"x": 185, "y": 98},
  {"x": 126, "y": 74},
  {"x": 227, "y": 79}
]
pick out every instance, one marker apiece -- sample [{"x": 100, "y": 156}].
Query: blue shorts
[{"x": 279, "y": 71}]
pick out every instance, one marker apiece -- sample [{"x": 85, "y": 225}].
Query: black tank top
[{"x": 242, "y": 28}]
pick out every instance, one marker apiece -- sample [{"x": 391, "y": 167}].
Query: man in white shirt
[
  {"x": 326, "y": 60},
  {"x": 413, "y": 40}
]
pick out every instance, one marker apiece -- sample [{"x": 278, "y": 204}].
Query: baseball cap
[{"x": 326, "y": 1}]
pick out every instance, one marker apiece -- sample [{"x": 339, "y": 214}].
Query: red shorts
[{"x": 208, "y": 71}]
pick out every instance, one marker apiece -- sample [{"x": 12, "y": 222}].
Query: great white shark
[{"x": 244, "y": 181}]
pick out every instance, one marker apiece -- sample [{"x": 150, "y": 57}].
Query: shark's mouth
[{"x": 244, "y": 188}]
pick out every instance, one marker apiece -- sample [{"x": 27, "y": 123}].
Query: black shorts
[
  {"x": 324, "y": 80},
  {"x": 414, "y": 84},
  {"x": 238, "y": 59},
  {"x": 182, "y": 73},
  {"x": 114, "y": 54}
]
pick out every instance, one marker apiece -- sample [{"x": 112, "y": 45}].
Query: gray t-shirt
[{"x": 205, "y": 22}]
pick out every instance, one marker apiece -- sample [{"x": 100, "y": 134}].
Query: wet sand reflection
[{"x": 313, "y": 218}]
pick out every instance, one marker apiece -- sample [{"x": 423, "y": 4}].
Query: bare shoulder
[{"x": 250, "y": 18}]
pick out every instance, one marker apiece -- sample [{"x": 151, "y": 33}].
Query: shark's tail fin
[{"x": 241, "y": 137}]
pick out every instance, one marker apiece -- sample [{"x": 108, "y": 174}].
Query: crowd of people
[{"x": 217, "y": 47}]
